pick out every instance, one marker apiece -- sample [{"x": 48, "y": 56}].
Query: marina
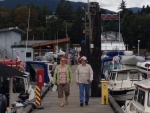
[{"x": 44, "y": 44}]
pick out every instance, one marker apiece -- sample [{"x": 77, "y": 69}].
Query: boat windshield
[
  {"x": 18, "y": 85},
  {"x": 148, "y": 101},
  {"x": 134, "y": 75},
  {"x": 122, "y": 75},
  {"x": 141, "y": 97},
  {"x": 113, "y": 75}
]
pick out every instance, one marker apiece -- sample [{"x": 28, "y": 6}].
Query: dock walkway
[{"x": 51, "y": 102}]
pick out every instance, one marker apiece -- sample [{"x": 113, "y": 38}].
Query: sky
[{"x": 114, "y": 4}]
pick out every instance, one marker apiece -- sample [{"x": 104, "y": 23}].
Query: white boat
[
  {"x": 122, "y": 80},
  {"x": 131, "y": 60},
  {"x": 111, "y": 41},
  {"x": 141, "y": 99}
]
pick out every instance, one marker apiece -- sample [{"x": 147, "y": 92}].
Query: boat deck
[{"x": 51, "y": 103}]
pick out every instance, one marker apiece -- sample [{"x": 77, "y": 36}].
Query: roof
[
  {"x": 7, "y": 71},
  {"x": 114, "y": 53},
  {"x": 59, "y": 41},
  {"x": 106, "y": 59},
  {"x": 15, "y": 29},
  {"x": 128, "y": 69},
  {"x": 31, "y": 42},
  {"x": 144, "y": 84}
]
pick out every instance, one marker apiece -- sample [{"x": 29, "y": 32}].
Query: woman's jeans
[{"x": 87, "y": 92}]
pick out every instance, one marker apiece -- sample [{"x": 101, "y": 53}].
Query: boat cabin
[
  {"x": 122, "y": 80},
  {"x": 14, "y": 86},
  {"x": 33, "y": 66},
  {"x": 141, "y": 100}
]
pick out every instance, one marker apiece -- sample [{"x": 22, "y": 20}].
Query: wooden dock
[{"x": 51, "y": 102}]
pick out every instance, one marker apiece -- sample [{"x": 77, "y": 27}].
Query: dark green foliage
[{"x": 134, "y": 26}]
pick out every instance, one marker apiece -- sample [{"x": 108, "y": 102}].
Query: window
[
  {"x": 141, "y": 97},
  {"x": 122, "y": 76},
  {"x": 144, "y": 75},
  {"x": 18, "y": 85},
  {"x": 113, "y": 75},
  {"x": 4, "y": 86},
  {"x": 134, "y": 75},
  {"x": 28, "y": 54},
  {"x": 135, "y": 95},
  {"x": 148, "y": 101}
]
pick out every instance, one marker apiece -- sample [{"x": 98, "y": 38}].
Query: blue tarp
[
  {"x": 28, "y": 65},
  {"x": 106, "y": 59},
  {"x": 114, "y": 53}
]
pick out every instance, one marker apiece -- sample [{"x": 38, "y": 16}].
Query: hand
[
  {"x": 77, "y": 83},
  {"x": 90, "y": 81}
]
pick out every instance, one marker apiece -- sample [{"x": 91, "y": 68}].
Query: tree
[
  {"x": 123, "y": 6},
  {"x": 78, "y": 26},
  {"x": 53, "y": 27},
  {"x": 64, "y": 10}
]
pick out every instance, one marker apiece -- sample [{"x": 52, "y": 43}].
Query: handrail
[
  {"x": 132, "y": 80},
  {"x": 7, "y": 53},
  {"x": 122, "y": 81}
]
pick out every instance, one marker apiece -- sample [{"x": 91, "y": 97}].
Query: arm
[
  {"x": 77, "y": 75},
  {"x": 70, "y": 74},
  {"x": 55, "y": 75},
  {"x": 91, "y": 74}
]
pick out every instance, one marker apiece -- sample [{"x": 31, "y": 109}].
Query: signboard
[{"x": 40, "y": 77}]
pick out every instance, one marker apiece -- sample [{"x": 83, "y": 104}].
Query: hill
[
  {"x": 52, "y": 4},
  {"x": 135, "y": 9}
]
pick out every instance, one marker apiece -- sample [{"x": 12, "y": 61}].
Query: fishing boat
[
  {"x": 141, "y": 99},
  {"x": 15, "y": 86},
  {"x": 122, "y": 80}
]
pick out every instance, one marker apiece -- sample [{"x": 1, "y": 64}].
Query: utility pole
[{"x": 95, "y": 46}]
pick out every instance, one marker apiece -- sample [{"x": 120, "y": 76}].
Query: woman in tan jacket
[{"x": 84, "y": 77}]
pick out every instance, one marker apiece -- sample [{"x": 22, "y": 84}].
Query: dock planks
[{"x": 51, "y": 102}]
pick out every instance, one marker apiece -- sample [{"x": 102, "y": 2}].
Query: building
[
  {"x": 12, "y": 44},
  {"x": 9, "y": 37}
]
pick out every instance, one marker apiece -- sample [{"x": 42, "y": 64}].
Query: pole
[
  {"x": 27, "y": 31},
  {"x": 138, "y": 46},
  {"x": 85, "y": 32},
  {"x": 119, "y": 32}
]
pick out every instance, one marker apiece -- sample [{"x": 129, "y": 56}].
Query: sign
[{"x": 40, "y": 77}]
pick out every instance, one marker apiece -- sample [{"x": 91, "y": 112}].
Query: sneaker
[
  {"x": 81, "y": 104},
  {"x": 86, "y": 103}
]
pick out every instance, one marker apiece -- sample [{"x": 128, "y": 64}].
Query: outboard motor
[
  {"x": 3, "y": 103},
  {"x": 24, "y": 96}
]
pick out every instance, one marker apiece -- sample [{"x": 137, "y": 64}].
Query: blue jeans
[{"x": 81, "y": 91}]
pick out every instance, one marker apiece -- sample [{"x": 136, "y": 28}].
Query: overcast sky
[{"x": 114, "y": 4}]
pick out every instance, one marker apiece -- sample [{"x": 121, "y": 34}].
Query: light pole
[
  {"x": 27, "y": 32},
  {"x": 138, "y": 46}
]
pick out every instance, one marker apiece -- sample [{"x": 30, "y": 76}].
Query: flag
[{"x": 18, "y": 57}]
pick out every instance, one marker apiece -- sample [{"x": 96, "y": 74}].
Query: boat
[
  {"x": 15, "y": 86},
  {"x": 33, "y": 66},
  {"x": 141, "y": 99},
  {"x": 122, "y": 80},
  {"x": 118, "y": 60},
  {"x": 111, "y": 41}
]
